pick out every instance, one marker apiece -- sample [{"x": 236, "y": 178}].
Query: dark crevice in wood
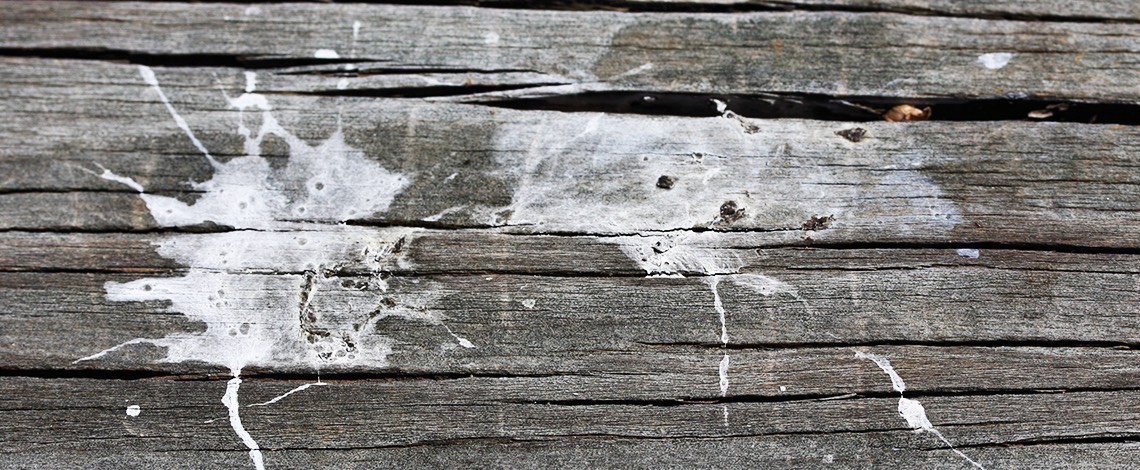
[
  {"x": 254, "y": 373},
  {"x": 415, "y": 92},
  {"x": 830, "y": 108},
  {"x": 784, "y": 398},
  {"x": 700, "y": 7},
  {"x": 1013, "y": 343},
  {"x": 1107, "y": 438},
  {"x": 246, "y": 61},
  {"x": 101, "y": 374},
  {"x": 370, "y": 71}
]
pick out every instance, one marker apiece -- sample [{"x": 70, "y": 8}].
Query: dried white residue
[
  {"x": 230, "y": 400},
  {"x": 325, "y": 54},
  {"x": 724, "y": 376},
  {"x": 674, "y": 255},
  {"x": 264, "y": 292},
  {"x": 969, "y": 253},
  {"x": 995, "y": 60},
  {"x": 599, "y": 174},
  {"x": 133, "y": 410},
  {"x": 911, "y": 410}
]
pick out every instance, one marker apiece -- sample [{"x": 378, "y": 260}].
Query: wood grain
[
  {"x": 577, "y": 279},
  {"x": 834, "y": 53}
]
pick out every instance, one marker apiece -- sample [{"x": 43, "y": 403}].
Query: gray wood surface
[{"x": 214, "y": 237}]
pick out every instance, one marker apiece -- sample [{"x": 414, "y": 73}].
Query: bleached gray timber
[{"x": 416, "y": 236}]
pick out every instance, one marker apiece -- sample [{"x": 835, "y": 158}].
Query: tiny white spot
[
  {"x": 994, "y": 60},
  {"x": 724, "y": 376},
  {"x": 355, "y": 30},
  {"x": 783, "y": 388},
  {"x": 342, "y": 84},
  {"x": 490, "y": 38},
  {"x": 326, "y": 54},
  {"x": 528, "y": 303},
  {"x": 133, "y": 410},
  {"x": 829, "y": 458},
  {"x": 251, "y": 11},
  {"x": 968, "y": 253}
]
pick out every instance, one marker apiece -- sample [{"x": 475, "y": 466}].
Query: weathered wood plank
[
  {"x": 182, "y": 416},
  {"x": 1040, "y": 10},
  {"x": 522, "y": 288},
  {"x": 521, "y": 319},
  {"x": 836, "y": 451},
  {"x": 834, "y": 53},
  {"x": 1012, "y": 183},
  {"x": 436, "y": 251}
]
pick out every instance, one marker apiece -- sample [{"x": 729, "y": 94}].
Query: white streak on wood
[
  {"x": 290, "y": 392},
  {"x": 995, "y": 60},
  {"x": 441, "y": 214},
  {"x": 885, "y": 364},
  {"x": 634, "y": 71},
  {"x": 462, "y": 341},
  {"x": 355, "y": 30},
  {"x": 724, "y": 376},
  {"x": 230, "y": 400},
  {"x": 109, "y": 175},
  {"x": 325, "y": 54},
  {"x": 133, "y": 410},
  {"x": 911, "y": 410},
  {"x": 714, "y": 282},
  {"x": 150, "y": 79}
]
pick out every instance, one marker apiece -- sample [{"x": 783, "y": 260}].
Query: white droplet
[
  {"x": 133, "y": 410},
  {"x": 326, "y": 54},
  {"x": 968, "y": 253},
  {"x": 783, "y": 388},
  {"x": 994, "y": 60}
]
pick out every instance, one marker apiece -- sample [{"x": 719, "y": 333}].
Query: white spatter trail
[
  {"x": 289, "y": 220},
  {"x": 673, "y": 255},
  {"x": 911, "y": 410}
]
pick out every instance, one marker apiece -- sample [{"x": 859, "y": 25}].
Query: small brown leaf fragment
[
  {"x": 906, "y": 112},
  {"x": 854, "y": 134}
]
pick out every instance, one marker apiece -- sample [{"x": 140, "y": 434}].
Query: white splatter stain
[
  {"x": 244, "y": 284},
  {"x": 325, "y": 54},
  {"x": 911, "y": 410},
  {"x": 133, "y": 410},
  {"x": 994, "y": 60}
]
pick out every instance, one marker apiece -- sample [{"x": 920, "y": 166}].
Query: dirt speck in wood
[
  {"x": 666, "y": 182},
  {"x": 730, "y": 212},
  {"x": 855, "y": 134},
  {"x": 818, "y": 223}
]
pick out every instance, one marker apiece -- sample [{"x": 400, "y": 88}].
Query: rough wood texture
[
  {"x": 499, "y": 237},
  {"x": 835, "y": 53}
]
